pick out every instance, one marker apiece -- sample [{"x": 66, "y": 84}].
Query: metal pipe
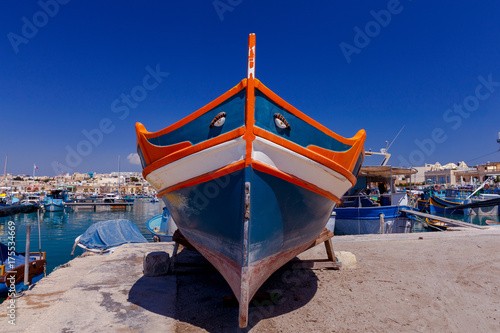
[{"x": 39, "y": 235}]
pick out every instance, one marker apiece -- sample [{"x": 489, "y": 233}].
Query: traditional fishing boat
[
  {"x": 55, "y": 201},
  {"x": 12, "y": 269},
  {"x": 366, "y": 209},
  {"x": 440, "y": 205},
  {"x": 249, "y": 180}
]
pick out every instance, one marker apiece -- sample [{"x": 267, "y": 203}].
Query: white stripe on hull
[
  {"x": 300, "y": 166},
  {"x": 198, "y": 164},
  {"x": 264, "y": 151}
]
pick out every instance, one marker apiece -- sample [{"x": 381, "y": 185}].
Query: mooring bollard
[{"x": 381, "y": 230}]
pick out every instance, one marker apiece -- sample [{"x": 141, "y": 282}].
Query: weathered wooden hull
[{"x": 249, "y": 180}]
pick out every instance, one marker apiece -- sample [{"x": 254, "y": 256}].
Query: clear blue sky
[{"x": 431, "y": 66}]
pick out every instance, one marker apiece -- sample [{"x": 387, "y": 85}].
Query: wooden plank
[
  {"x": 329, "y": 250},
  {"x": 444, "y": 219},
  {"x": 316, "y": 264},
  {"x": 323, "y": 237}
]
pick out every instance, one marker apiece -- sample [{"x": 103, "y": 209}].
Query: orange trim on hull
[
  {"x": 295, "y": 180},
  {"x": 348, "y": 158},
  {"x": 189, "y": 150},
  {"x": 205, "y": 177},
  {"x": 257, "y": 166},
  {"x": 307, "y": 153}
]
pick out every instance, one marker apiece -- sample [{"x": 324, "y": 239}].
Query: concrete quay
[{"x": 420, "y": 282}]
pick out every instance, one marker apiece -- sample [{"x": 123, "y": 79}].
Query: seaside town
[
  {"x": 132, "y": 184},
  {"x": 80, "y": 184}
]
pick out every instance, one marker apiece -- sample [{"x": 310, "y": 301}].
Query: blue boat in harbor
[
  {"x": 445, "y": 205},
  {"x": 54, "y": 202},
  {"x": 373, "y": 205},
  {"x": 249, "y": 180}
]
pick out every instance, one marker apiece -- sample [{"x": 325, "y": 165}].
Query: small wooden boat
[
  {"x": 490, "y": 222},
  {"x": 435, "y": 224},
  {"x": 105, "y": 236},
  {"x": 162, "y": 227},
  {"x": 249, "y": 180},
  {"x": 12, "y": 269}
]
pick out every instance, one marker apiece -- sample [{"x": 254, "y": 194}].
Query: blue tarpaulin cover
[{"x": 107, "y": 234}]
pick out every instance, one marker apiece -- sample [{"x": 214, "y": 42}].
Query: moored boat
[
  {"x": 375, "y": 205},
  {"x": 12, "y": 269},
  {"x": 440, "y": 205},
  {"x": 162, "y": 226},
  {"x": 54, "y": 202},
  {"x": 249, "y": 180}
]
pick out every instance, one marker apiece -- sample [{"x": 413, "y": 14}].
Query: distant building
[{"x": 448, "y": 174}]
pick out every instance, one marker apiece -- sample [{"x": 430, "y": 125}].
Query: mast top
[{"x": 251, "y": 57}]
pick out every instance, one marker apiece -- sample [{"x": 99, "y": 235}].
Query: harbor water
[{"x": 59, "y": 229}]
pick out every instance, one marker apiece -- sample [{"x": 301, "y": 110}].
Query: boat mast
[
  {"x": 118, "y": 175},
  {"x": 4, "y": 169}
]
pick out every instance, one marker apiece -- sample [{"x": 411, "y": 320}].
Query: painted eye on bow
[
  {"x": 281, "y": 122},
  {"x": 219, "y": 120}
]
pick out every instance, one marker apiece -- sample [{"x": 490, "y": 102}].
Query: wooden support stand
[
  {"x": 330, "y": 263},
  {"x": 325, "y": 237}
]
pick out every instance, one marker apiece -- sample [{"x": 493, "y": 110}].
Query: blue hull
[
  {"x": 441, "y": 206},
  {"x": 53, "y": 207},
  {"x": 366, "y": 220},
  {"x": 283, "y": 216}
]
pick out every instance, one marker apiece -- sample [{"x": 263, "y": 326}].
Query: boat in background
[
  {"x": 249, "y": 180},
  {"x": 439, "y": 205},
  {"x": 482, "y": 205},
  {"x": 17, "y": 208},
  {"x": 438, "y": 225},
  {"x": 12, "y": 269},
  {"x": 373, "y": 205},
  {"x": 54, "y": 202},
  {"x": 162, "y": 226},
  {"x": 32, "y": 198},
  {"x": 105, "y": 236}
]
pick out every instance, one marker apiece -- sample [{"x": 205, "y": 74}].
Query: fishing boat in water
[
  {"x": 12, "y": 269},
  {"x": 54, "y": 202},
  {"x": 249, "y": 180},
  {"x": 373, "y": 205}
]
